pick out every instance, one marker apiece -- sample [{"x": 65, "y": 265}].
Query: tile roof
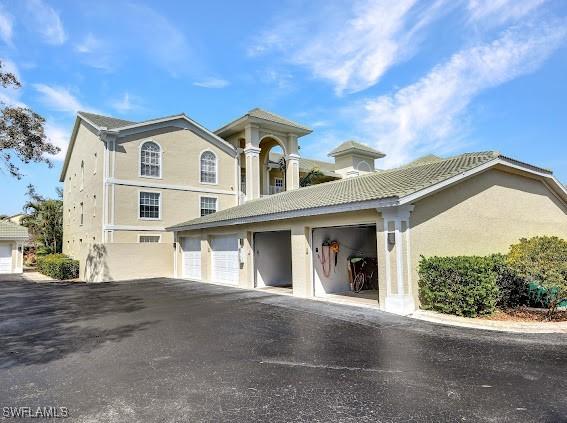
[
  {"x": 394, "y": 183},
  {"x": 106, "y": 121},
  {"x": 9, "y": 230},
  {"x": 430, "y": 158},
  {"x": 263, "y": 114},
  {"x": 355, "y": 145}
]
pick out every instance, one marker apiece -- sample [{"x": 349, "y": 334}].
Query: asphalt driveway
[{"x": 172, "y": 350}]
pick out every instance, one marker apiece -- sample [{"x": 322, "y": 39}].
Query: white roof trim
[
  {"x": 204, "y": 132},
  {"x": 455, "y": 179},
  {"x": 339, "y": 208}
]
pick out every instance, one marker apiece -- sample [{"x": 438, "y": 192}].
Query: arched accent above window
[
  {"x": 150, "y": 160},
  {"x": 208, "y": 167}
]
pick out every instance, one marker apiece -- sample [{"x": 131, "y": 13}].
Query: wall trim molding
[
  {"x": 133, "y": 228},
  {"x": 159, "y": 185}
]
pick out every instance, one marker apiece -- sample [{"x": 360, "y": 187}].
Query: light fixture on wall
[{"x": 391, "y": 238}]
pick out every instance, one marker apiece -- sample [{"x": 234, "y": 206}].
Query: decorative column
[
  {"x": 292, "y": 172},
  {"x": 396, "y": 259},
  {"x": 252, "y": 155}
]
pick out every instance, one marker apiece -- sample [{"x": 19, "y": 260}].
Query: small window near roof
[
  {"x": 208, "y": 168},
  {"x": 208, "y": 205},
  {"x": 150, "y": 160}
]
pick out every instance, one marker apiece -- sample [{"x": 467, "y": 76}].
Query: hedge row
[{"x": 58, "y": 266}]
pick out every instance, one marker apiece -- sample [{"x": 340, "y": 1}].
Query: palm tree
[
  {"x": 44, "y": 219},
  {"x": 313, "y": 177}
]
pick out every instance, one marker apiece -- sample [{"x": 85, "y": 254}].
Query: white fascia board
[{"x": 317, "y": 211}]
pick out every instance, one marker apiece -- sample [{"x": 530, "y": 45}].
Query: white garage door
[
  {"x": 191, "y": 258},
  {"x": 225, "y": 263},
  {"x": 5, "y": 258}
]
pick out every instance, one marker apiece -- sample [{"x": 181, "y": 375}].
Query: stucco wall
[
  {"x": 87, "y": 144},
  {"x": 484, "y": 215},
  {"x": 112, "y": 262},
  {"x": 181, "y": 151}
]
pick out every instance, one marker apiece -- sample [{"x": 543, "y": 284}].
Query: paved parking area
[{"x": 171, "y": 350}]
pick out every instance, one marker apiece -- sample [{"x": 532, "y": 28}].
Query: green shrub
[
  {"x": 513, "y": 290},
  {"x": 465, "y": 286},
  {"x": 58, "y": 266},
  {"x": 542, "y": 260}
]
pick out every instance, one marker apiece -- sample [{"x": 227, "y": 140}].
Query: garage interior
[
  {"x": 345, "y": 263},
  {"x": 272, "y": 258}
]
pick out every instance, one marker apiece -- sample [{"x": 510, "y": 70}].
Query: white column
[
  {"x": 252, "y": 155},
  {"x": 292, "y": 172},
  {"x": 399, "y": 298}
]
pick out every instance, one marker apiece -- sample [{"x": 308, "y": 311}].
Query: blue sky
[{"x": 407, "y": 77}]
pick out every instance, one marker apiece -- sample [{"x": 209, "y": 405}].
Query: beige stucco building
[{"x": 247, "y": 222}]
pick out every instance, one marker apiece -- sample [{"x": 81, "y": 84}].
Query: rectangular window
[
  {"x": 149, "y": 238},
  {"x": 82, "y": 219},
  {"x": 208, "y": 205},
  {"x": 278, "y": 182},
  {"x": 149, "y": 205}
]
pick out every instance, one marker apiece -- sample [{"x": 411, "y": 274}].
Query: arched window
[
  {"x": 208, "y": 168},
  {"x": 364, "y": 167},
  {"x": 150, "y": 160}
]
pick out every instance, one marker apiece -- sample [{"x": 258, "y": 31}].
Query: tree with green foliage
[
  {"x": 44, "y": 220},
  {"x": 542, "y": 259},
  {"x": 22, "y": 132},
  {"x": 313, "y": 177}
]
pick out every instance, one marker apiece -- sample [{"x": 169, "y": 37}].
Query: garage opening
[
  {"x": 272, "y": 258},
  {"x": 345, "y": 263},
  {"x": 5, "y": 258},
  {"x": 191, "y": 258}
]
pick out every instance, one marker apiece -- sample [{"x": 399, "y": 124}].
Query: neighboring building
[
  {"x": 12, "y": 240},
  {"x": 125, "y": 182},
  {"x": 471, "y": 204}
]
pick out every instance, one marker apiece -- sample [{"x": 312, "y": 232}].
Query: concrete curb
[{"x": 495, "y": 325}]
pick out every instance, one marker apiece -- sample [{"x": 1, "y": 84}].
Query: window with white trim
[
  {"x": 150, "y": 205},
  {"x": 208, "y": 167},
  {"x": 278, "y": 182},
  {"x": 208, "y": 205},
  {"x": 150, "y": 160},
  {"x": 148, "y": 238}
]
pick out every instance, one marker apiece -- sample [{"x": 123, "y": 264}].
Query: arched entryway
[{"x": 272, "y": 165}]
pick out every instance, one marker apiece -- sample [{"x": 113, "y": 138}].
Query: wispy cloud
[
  {"x": 212, "y": 83},
  {"x": 59, "y": 99},
  {"x": 429, "y": 115},
  {"x": 6, "y": 26},
  {"x": 59, "y": 136},
  {"x": 356, "y": 47},
  {"x": 95, "y": 53},
  {"x": 127, "y": 103},
  {"x": 46, "y": 21},
  {"x": 500, "y": 11}
]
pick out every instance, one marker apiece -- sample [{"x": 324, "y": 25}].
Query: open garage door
[
  {"x": 191, "y": 258},
  {"x": 224, "y": 257},
  {"x": 338, "y": 249},
  {"x": 5, "y": 258},
  {"x": 272, "y": 257}
]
